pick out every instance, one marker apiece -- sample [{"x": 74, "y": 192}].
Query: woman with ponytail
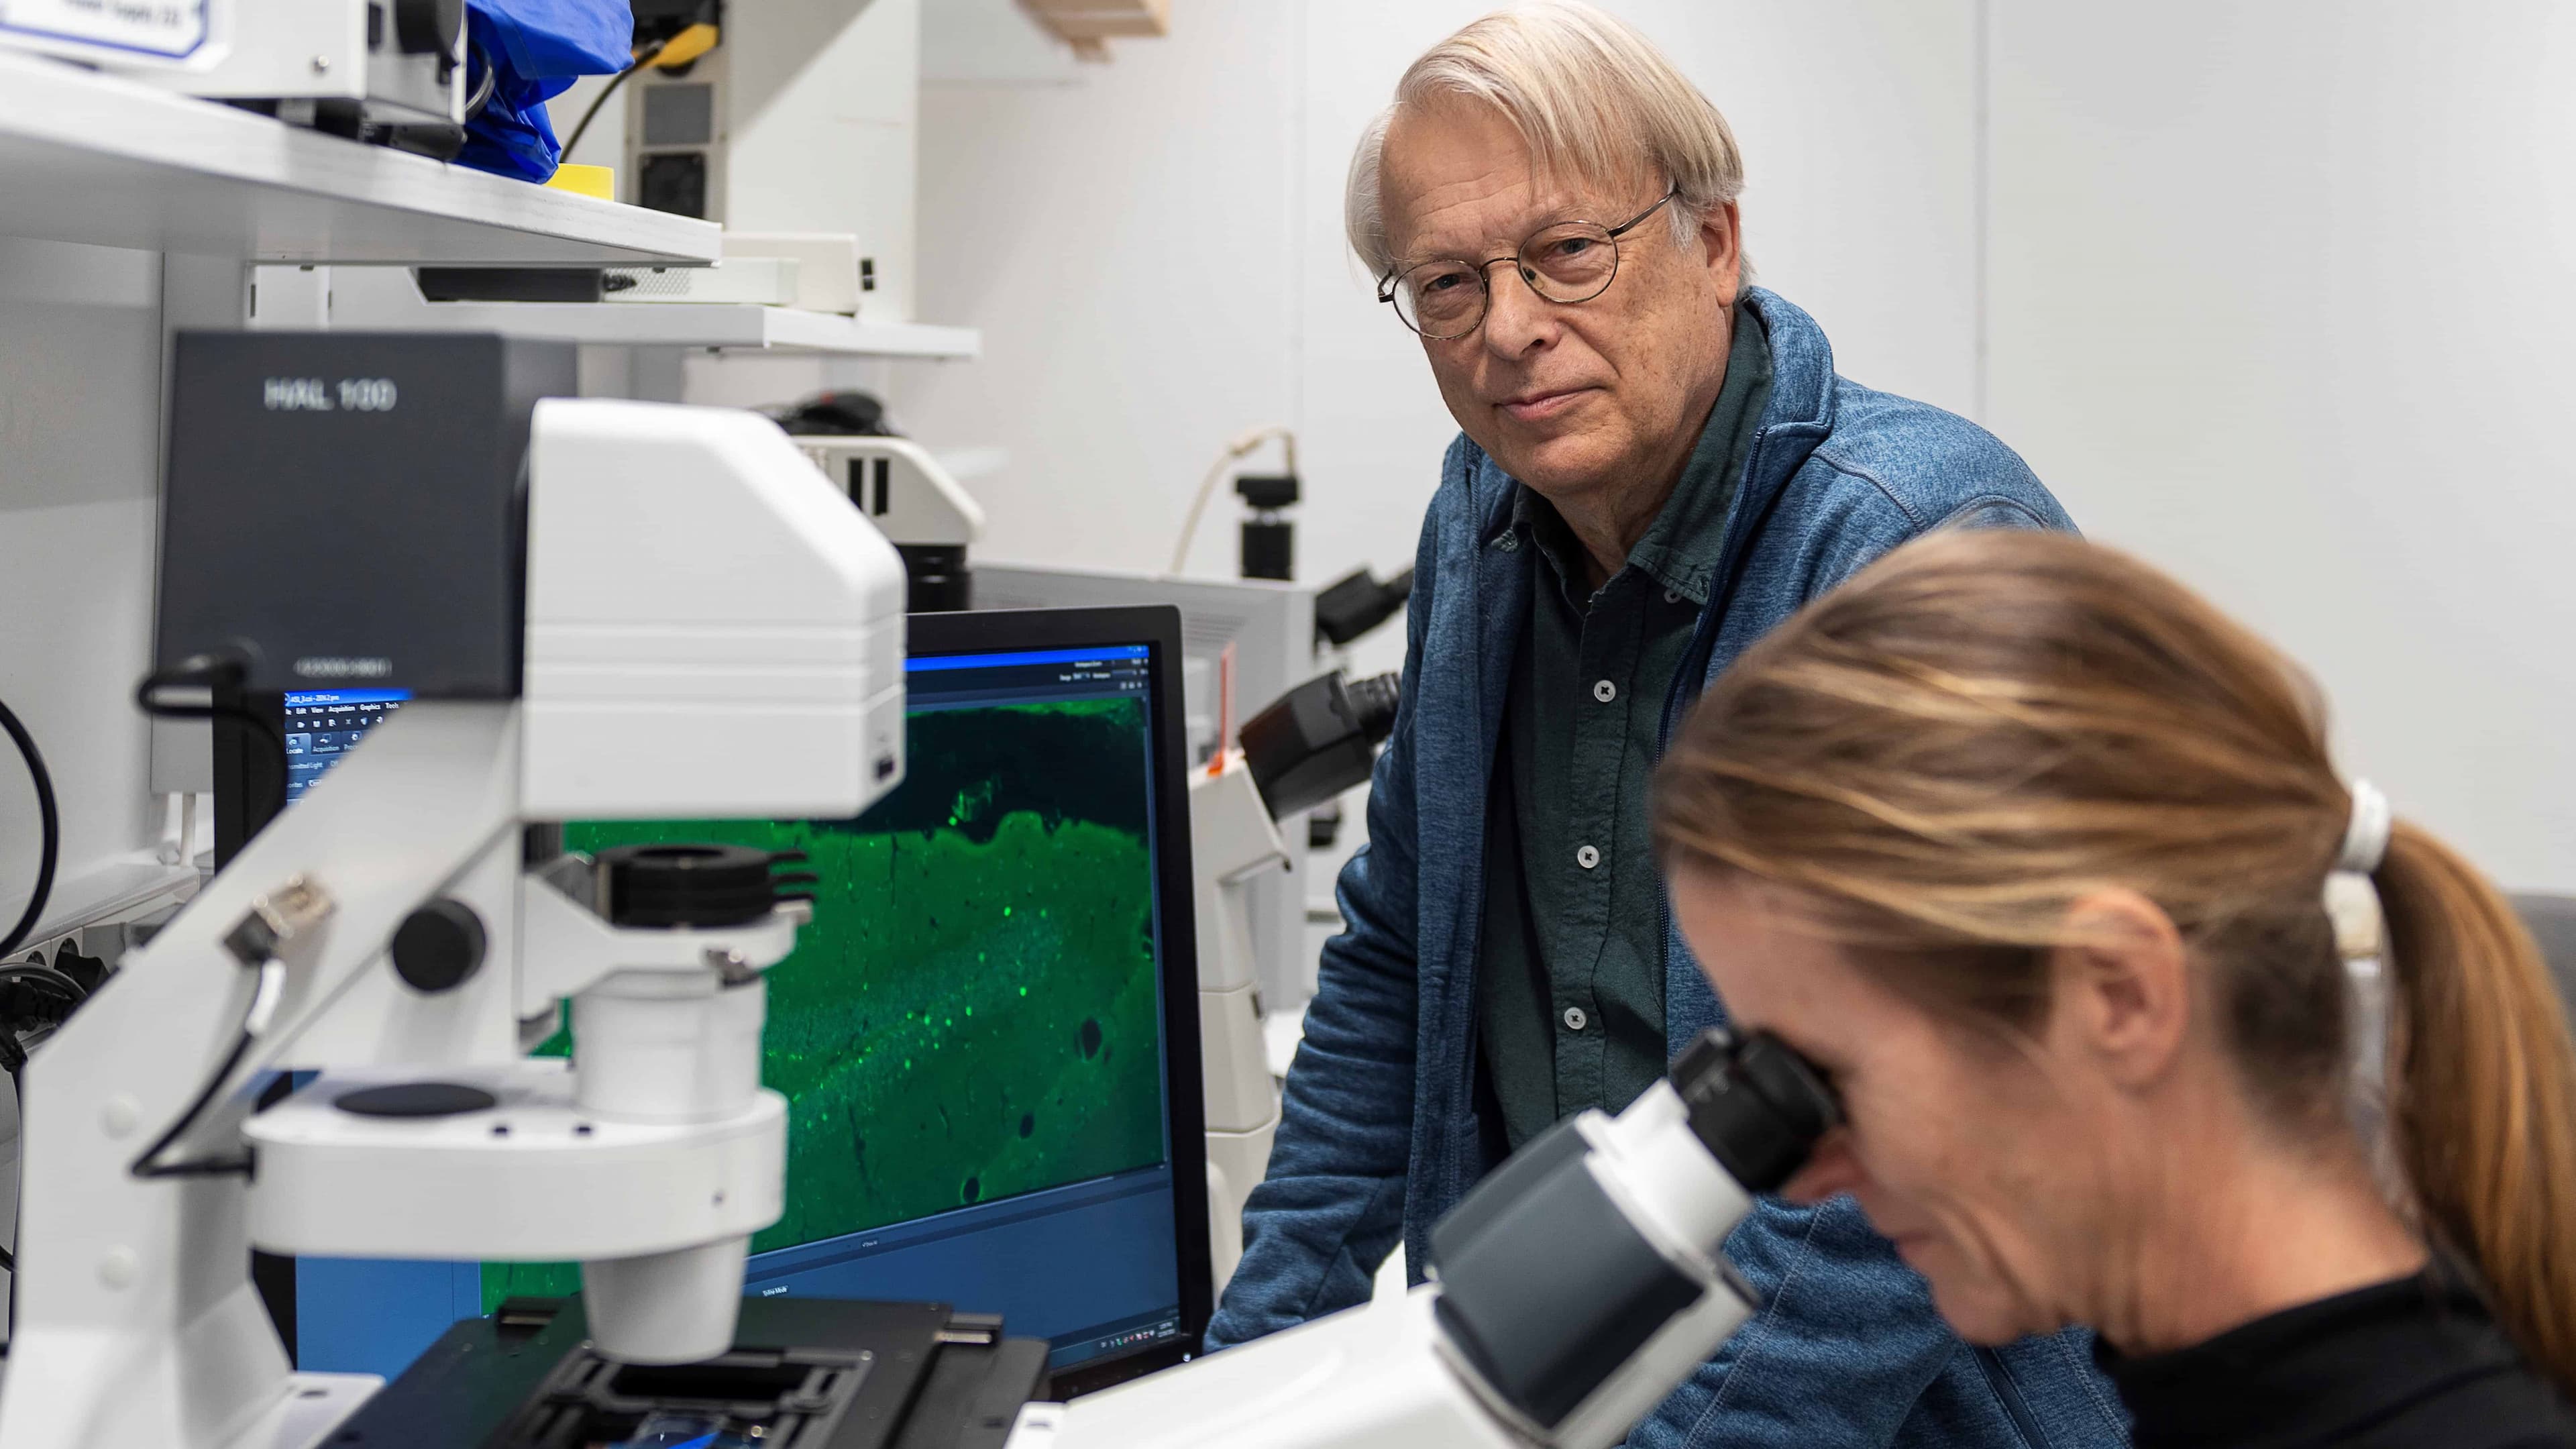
[{"x": 2027, "y": 847}]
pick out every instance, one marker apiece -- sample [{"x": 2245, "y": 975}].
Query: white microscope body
[
  {"x": 1233, "y": 841},
  {"x": 710, "y": 631},
  {"x": 1302, "y": 749}
]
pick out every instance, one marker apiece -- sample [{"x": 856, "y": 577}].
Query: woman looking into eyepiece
[{"x": 2026, "y": 846}]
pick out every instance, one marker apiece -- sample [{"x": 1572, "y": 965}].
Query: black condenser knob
[{"x": 439, "y": 946}]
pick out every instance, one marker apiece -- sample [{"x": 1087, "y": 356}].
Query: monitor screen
[
  {"x": 974, "y": 1033},
  {"x": 321, "y": 725}
]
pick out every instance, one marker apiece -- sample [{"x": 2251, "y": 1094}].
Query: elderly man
[{"x": 1658, "y": 465}]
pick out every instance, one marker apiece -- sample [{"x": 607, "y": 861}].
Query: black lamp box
[{"x": 349, "y": 510}]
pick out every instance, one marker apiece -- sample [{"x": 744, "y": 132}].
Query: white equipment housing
[
  {"x": 710, "y": 631},
  {"x": 664, "y": 633},
  {"x": 902, "y": 489},
  {"x": 1366, "y": 1378},
  {"x": 802, "y": 119},
  {"x": 827, "y": 265},
  {"x": 765, "y": 281},
  {"x": 1233, "y": 844},
  {"x": 294, "y": 52}
]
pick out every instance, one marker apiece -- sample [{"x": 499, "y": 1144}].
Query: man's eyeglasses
[{"x": 1571, "y": 261}]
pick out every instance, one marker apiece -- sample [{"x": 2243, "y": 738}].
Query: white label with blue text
[{"x": 169, "y": 29}]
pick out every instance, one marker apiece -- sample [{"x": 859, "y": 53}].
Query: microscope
[{"x": 604, "y": 610}]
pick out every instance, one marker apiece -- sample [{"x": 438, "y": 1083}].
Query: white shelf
[
  {"x": 691, "y": 324},
  {"x": 387, "y": 300},
  {"x": 89, "y": 158},
  {"x": 110, "y": 890}
]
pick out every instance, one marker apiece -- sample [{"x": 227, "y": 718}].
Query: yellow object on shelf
[
  {"x": 684, "y": 47},
  {"x": 599, "y": 181}
]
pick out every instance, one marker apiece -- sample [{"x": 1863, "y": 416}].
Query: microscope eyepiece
[
  {"x": 1758, "y": 1106},
  {"x": 1318, "y": 740}
]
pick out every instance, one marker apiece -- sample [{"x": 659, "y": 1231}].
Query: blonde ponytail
[{"x": 2482, "y": 1082}]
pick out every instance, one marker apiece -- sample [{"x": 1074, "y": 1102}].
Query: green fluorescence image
[{"x": 973, "y": 1012}]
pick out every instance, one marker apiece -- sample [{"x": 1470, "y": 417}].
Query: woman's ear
[{"x": 2123, "y": 987}]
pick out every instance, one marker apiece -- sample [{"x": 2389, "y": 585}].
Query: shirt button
[
  {"x": 1587, "y": 857},
  {"x": 1605, "y": 691},
  {"x": 1672, "y": 596},
  {"x": 1575, "y": 1019}
]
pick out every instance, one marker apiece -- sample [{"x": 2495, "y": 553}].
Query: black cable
[
  {"x": 642, "y": 59},
  {"x": 49, "y": 823},
  {"x": 58, "y": 996},
  {"x": 144, "y": 1166},
  {"x": 62, "y": 988},
  {"x": 38, "y": 974},
  {"x": 254, "y": 942},
  {"x": 482, "y": 95},
  {"x": 215, "y": 674},
  {"x": 13, "y": 1055}
]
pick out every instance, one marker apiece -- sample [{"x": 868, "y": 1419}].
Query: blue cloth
[
  {"x": 539, "y": 48},
  {"x": 1380, "y": 1134}
]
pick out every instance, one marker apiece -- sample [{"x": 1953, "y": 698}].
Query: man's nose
[
  {"x": 1832, "y": 1168},
  {"x": 1517, "y": 318}
]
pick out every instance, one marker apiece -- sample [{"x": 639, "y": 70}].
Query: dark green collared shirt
[{"x": 1571, "y": 987}]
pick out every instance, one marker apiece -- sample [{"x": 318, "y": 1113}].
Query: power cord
[
  {"x": 50, "y": 826},
  {"x": 257, "y": 941},
  {"x": 68, "y": 993},
  {"x": 643, "y": 58},
  {"x": 482, "y": 96},
  {"x": 215, "y": 673},
  {"x": 43, "y": 980},
  {"x": 13, "y": 1055},
  {"x": 37, "y": 976},
  {"x": 1233, "y": 453}
]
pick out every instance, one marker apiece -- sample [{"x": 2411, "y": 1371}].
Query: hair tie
[{"x": 2365, "y": 840}]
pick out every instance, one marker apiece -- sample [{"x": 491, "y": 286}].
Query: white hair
[{"x": 1591, "y": 96}]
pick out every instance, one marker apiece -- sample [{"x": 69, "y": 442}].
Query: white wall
[
  {"x": 80, "y": 400},
  {"x": 2282, "y": 299},
  {"x": 2274, "y": 295},
  {"x": 1153, "y": 250}
]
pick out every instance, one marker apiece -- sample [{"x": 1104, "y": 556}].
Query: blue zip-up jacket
[{"x": 1380, "y": 1135}]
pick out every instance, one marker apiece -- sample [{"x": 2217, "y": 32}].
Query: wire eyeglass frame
[{"x": 1388, "y": 285}]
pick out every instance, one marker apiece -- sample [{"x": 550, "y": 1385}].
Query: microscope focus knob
[{"x": 439, "y": 946}]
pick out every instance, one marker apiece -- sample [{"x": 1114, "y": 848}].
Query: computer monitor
[
  {"x": 988, "y": 1034},
  {"x": 1271, "y": 628}
]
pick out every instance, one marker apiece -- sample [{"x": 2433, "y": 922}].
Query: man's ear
[
  {"x": 1721, "y": 241},
  {"x": 2124, "y": 987}
]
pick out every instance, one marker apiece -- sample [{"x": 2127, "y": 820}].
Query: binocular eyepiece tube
[{"x": 1583, "y": 1279}]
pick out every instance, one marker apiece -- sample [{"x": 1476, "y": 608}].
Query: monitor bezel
[
  {"x": 245, "y": 780},
  {"x": 1158, "y": 627}
]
